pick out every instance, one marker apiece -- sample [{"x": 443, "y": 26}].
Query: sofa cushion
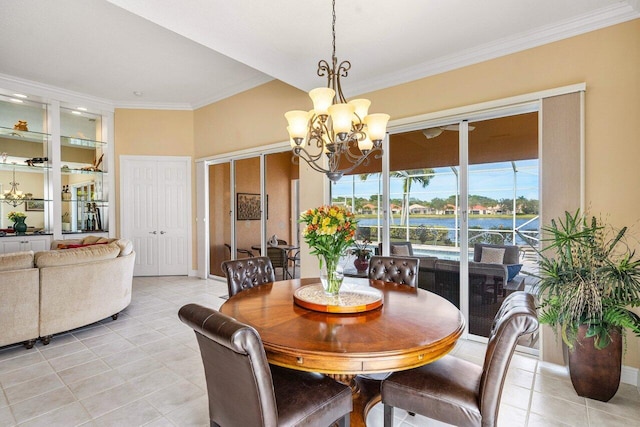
[
  {"x": 77, "y": 255},
  {"x": 91, "y": 240},
  {"x": 16, "y": 261},
  {"x": 126, "y": 247},
  {"x": 492, "y": 255}
]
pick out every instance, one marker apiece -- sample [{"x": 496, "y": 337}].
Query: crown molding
[
  {"x": 47, "y": 93},
  {"x": 234, "y": 90},
  {"x": 131, "y": 105},
  {"x": 601, "y": 18}
]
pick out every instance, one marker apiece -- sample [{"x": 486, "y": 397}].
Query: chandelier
[
  {"x": 342, "y": 131},
  {"x": 14, "y": 196}
]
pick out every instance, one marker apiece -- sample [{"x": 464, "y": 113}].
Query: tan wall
[
  {"x": 608, "y": 61},
  {"x": 154, "y": 133},
  {"x": 247, "y": 120}
]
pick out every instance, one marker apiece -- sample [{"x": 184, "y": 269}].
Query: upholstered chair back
[
  {"x": 246, "y": 273},
  {"x": 239, "y": 380},
  {"x": 401, "y": 270},
  {"x": 517, "y": 316},
  {"x": 244, "y": 390}
]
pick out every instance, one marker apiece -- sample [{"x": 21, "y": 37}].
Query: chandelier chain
[{"x": 333, "y": 30}]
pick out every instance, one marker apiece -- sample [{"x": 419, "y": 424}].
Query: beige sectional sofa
[{"x": 49, "y": 292}]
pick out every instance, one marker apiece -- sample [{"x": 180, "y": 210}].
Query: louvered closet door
[{"x": 155, "y": 198}]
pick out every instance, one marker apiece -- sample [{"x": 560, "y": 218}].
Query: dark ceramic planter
[
  {"x": 361, "y": 264},
  {"x": 596, "y": 373}
]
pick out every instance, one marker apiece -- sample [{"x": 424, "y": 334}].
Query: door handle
[
  {"x": 153, "y": 232},
  {"x": 163, "y": 232}
]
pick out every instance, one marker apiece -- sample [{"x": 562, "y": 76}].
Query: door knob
[
  {"x": 153, "y": 232},
  {"x": 162, "y": 232}
]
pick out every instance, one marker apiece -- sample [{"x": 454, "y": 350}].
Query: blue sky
[{"x": 493, "y": 180}]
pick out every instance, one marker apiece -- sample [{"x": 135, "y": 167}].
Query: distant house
[
  {"x": 418, "y": 209},
  {"x": 369, "y": 209},
  {"x": 478, "y": 210},
  {"x": 449, "y": 209},
  {"x": 395, "y": 209}
]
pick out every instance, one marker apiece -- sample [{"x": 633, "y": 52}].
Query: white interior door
[
  {"x": 173, "y": 231},
  {"x": 155, "y": 212}
]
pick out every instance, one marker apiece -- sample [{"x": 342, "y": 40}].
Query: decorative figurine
[{"x": 21, "y": 125}]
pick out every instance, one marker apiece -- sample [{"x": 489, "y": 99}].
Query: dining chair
[
  {"x": 244, "y": 390},
  {"x": 455, "y": 391},
  {"x": 400, "y": 270},
  {"x": 279, "y": 259},
  {"x": 246, "y": 252},
  {"x": 245, "y": 273},
  {"x": 294, "y": 259}
]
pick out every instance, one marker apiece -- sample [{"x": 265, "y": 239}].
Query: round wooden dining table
[{"x": 413, "y": 327}]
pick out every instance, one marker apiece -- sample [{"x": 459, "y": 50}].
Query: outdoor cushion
[
  {"x": 513, "y": 270},
  {"x": 492, "y": 255},
  {"x": 401, "y": 250}
]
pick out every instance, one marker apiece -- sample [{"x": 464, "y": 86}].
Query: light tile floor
[{"x": 144, "y": 369}]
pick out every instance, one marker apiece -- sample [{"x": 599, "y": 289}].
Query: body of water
[{"x": 484, "y": 223}]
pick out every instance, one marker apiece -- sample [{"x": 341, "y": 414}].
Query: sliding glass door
[
  {"x": 252, "y": 199},
  {"x": 502, "y": 200}
]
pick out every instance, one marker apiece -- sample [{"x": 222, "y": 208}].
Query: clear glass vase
[{"x": 331, "y": 275}]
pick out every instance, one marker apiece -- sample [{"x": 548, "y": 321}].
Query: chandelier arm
[{"x": 304, "y": 155}]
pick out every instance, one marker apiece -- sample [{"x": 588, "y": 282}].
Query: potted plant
[
  {"x": 589, "y": 277},
  {"x": 18, "y": 219},
  {"x": 362, "y": 254}
]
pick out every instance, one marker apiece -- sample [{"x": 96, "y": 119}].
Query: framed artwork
[
  {"x": 34, "y": 205},
  {"x": 248, "y": 207}
]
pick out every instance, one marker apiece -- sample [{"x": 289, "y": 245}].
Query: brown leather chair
[
  {"x": 401, "y": 270},
  {"x": 458, "y": 392},
  {"x": 244, "y": 390},
  {"x": 246, "y": 273}
]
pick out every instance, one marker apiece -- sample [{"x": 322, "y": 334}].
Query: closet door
[{"x": 155, "y": 211}]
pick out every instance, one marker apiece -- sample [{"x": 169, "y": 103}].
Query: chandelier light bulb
[
  {"x": 322, "y": 98},
  {"x": 361, "y": 109},
  {"x": 298, "y": 123},
  {"x": 376, "y": 126},
  {"x": 341, "y": 115}
]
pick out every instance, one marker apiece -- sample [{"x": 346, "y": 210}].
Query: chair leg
[{"x": 388, "y": 415}]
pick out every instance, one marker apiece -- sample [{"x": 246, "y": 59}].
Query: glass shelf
[
  {"x": 38, "y": 168},
  {"x": 70, "y": 171},
  {"x": 24, "y": 135},
  {"x": 89, "y": 144}
]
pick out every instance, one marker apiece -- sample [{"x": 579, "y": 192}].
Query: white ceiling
[{"x": 188, "y": 53}]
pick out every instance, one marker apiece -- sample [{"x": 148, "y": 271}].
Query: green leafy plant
[
  {"x": 361, "y": 250},
  {"x": 588, "y": 275}
]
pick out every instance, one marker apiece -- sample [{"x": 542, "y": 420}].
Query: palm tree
[{"x": 419, "y": 176}]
